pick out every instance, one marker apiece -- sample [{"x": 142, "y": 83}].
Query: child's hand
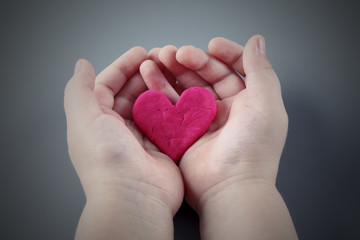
[
  {"x": 246, "y": 138},
  {"x": 230, "y": 172},
  {"x": 129, "y": 184}
]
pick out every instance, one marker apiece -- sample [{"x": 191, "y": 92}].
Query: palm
[
  {"x": 221, "y": 155},
  {"x": 116, "y": 135},
  {"x": 122, "y": 144}
]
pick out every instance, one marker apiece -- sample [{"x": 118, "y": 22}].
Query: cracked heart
[{"x": 174, "y": 128}]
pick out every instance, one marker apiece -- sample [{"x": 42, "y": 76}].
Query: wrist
[
  {"x": 229, "y": 191},
  {"x": 129, "y": 215},
  {"x": 222, "y": 177},
  {"x": 118, "y": 183},
  {"x": 253, "y": 209},
  {"x": 125, "y": 211}
]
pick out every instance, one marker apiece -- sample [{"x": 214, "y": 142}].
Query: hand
[
  {"x": 234, "y": 165},
  {"x": 246, "y": 138},
  {"x": 120, "y": 170}
]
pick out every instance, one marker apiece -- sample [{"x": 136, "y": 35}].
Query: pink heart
[{"x": 174, "y": 128}]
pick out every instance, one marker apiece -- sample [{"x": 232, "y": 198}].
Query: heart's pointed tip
[{"x": 176, "y": 161}]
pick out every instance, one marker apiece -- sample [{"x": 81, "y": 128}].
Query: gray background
[{"x": 313, "y": 46}]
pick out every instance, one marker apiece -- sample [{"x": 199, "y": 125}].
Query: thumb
[
  {"x": 260, "y": 78},
  {"x": 79, "y": 101}
]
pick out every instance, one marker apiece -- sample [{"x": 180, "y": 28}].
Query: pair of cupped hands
[{"x": 242, "y": 146}]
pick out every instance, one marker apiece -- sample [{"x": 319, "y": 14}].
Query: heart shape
[{"x": 174, "y": 128}]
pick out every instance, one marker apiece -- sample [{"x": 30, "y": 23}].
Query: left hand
[{"x": 111, "y": 156}]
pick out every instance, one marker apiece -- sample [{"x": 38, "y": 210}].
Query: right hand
[{"x": 245, "y": 141}]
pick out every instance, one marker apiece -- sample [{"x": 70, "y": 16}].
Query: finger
[
  {"x": 80, "y": 104},
  {"x": 186, "y": 77},
  {"x": 154, "y": 79},
  {"x": 260, "y": 77},
  {"x": 228, "y": 52},
  {"x": 113, "y": 78},
  {"x": 224, "y": 80},
  {"x": 154, "y": 56},
  {"x": 125, "y": 99}
]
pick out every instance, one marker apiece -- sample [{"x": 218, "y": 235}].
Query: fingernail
[
  {"x": 77, "y": 66},
  {"x": 261, "y": 46}
]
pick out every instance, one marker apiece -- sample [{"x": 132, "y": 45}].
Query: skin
[
  {"x": 129, "y": 185},
  {"x": 229, "y": 174}
]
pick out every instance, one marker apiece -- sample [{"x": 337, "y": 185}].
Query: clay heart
[{"x": 173, "y": 129}]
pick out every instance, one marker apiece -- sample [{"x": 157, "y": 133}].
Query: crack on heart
[{"x": 152, "y": 131}]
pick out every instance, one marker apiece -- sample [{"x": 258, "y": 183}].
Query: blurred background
[{"x": 313, "y": 46}]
